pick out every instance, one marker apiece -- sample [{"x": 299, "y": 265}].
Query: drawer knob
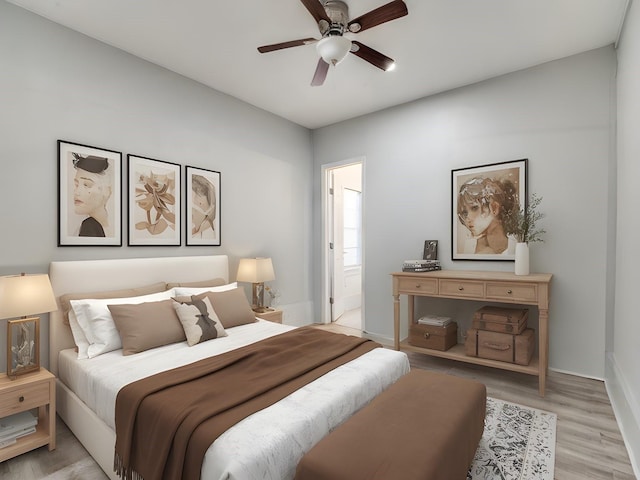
[
  {"x": 509, "y": 291},
  {"x": 417, "y": 285},
  {"x": 21, "y": 399},
  {"x": 461, "y": 288},
  {"x": 427, "y": 335}
]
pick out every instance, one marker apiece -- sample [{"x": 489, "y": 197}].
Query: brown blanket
[{"x": 165, "y": 423}]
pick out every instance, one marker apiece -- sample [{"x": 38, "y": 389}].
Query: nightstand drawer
[
  {"x": 517, "y": 292},
  {"x": 272, "y": 315},
  {"x": 462, "y": 288},
  {"x": 417, "y": 285},
  {"x": 23, "y": 398}
]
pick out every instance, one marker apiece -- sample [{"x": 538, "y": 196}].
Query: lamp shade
[
  {"x": 333, "y": 49},
  {"x": 255, "y": 270},
  {"x": 23, "y": 295}
]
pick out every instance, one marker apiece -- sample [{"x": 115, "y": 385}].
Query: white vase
[{"x": 522, "y": 259}]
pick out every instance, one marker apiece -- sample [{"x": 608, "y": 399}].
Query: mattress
[{"x": 267, "y": 444}]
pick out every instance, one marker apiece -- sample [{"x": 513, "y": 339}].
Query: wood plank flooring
[{"x": 589, "y": 444}]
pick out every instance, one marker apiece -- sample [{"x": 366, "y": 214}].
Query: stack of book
[
  {"x": 16, "y": 426},
  {"x": 434, "y": 320},
  {"x": 420, "y": 265}
]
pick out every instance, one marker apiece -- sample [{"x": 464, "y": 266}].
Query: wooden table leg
[
  {"x": 396, "y": 322},
  {"x": 543, "y": 349}
]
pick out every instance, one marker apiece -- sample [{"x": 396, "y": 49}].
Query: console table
[{"x": 501, "y": 287}]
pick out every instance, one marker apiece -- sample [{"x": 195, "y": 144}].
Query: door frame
[{"x": 326, "y": 258}]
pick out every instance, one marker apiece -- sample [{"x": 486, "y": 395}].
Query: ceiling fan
[{"x": 333, "y": 21}]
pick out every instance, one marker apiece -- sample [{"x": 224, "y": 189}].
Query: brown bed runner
[
  {"x": 165, "y": 423},
  {"x": 426, "y": 426}
]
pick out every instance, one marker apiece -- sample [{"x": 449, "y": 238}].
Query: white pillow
[
  {"x": 79, "y": 338},
  {"x": 187, "y": 291},
  {"x": 96, "y": 322}
]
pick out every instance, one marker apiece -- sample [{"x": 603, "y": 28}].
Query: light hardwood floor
[{"x": 589, "y": 444}]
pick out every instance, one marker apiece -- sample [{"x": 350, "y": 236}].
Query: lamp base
[{"x": 258, "y": 309}]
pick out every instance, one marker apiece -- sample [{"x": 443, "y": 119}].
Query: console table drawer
[
  {"x": 409, "y": 285},
  {"x": 461, "y": 288},
  {"x": 522, "y": 292}
]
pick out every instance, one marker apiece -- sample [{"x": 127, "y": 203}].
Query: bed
[{"x": 267, "y": 444}]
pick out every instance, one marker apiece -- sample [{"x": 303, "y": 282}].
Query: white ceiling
[{"x": 440, "y": 45}]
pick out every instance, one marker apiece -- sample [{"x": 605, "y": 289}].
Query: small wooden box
[
  {"x": 430, "y": 336},
  {"x": 501, "y": 319},
  {"x": 504, "y": 347}
]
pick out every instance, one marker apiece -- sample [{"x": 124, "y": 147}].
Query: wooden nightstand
[
  {"x": 27, "y": 392},
  {"x": 272, "y": 316}
]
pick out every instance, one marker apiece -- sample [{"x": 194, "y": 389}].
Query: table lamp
[
  {"x": 256, "y": 271},
  {"x": 24, "y": 296}
]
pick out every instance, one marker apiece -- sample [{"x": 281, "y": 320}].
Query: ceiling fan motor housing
[{"x": 338, "y": 13}]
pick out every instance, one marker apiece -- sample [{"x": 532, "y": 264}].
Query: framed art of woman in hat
[{"x": 90, "y": 195}]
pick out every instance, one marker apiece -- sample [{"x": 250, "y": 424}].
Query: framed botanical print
[
  {"x": 23, "y": 346},
  {"x": 202, "y": 207},
  {"x": 481, "y": 197},
  {"x": 89, "y": 196},
  {"x": 154, "y": 202}
]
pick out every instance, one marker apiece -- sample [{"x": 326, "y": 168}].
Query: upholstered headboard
[{"x": 103, "y": 275}]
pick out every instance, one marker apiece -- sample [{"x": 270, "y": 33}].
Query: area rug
[{"x": 518, "y": 444}]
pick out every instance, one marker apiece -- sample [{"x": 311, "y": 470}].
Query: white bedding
[{"x": 269, "y": 443}]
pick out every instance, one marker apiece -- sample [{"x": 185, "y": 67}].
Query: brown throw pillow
[
  {"x": 231, "y": 306},
  {"x": 214, "y": 282},
  {"x": 199, "y": 321},
  {"x": 146, "y": 325},
  {"x": 124, "y": 293}
]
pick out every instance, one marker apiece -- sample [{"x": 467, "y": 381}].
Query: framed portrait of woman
[
  {"x": 481, "y": 197},
  {"x": 154, "y": 202},
  {"x": 202, "y": 189},
  {"x": 89, "y": 195}
]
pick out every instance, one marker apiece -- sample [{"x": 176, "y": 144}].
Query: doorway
[{"x": 344, "y": 268}]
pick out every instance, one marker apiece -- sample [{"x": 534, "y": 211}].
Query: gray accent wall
[
  {"x": 59, "y": 84},
  {"x": 558, "y": 116}
]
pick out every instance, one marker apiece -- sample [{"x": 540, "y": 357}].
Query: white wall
[
  {"x": 59, "y": 84},
  {"x": 557, "y": 115},
  {"x": 623, "y": 374}
]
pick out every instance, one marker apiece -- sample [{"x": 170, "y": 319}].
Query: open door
[{"x": 344, "y": 246}]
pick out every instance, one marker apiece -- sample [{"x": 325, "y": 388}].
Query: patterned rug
[{"x": 518, "y": 443}]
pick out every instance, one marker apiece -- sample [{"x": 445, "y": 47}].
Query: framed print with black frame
[
  {"x": 154, "y": 202},
  {"x": 202, "y": 207},
  {"x": 480, "y": 197},
  {"x": 23, "y": 346},
  {"x": 89, "y": 196}
]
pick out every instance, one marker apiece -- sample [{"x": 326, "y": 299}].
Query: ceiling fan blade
[
  {"x": 385, "y": 13},
  {"x": 321, "y": 73},
  {"x": 316, "y": 9},
  {"x": 292, "y": 43},
  {"x": 372, "y": 56}
]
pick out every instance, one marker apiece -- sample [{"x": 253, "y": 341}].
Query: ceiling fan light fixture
[{"x": 333, "y": 48}]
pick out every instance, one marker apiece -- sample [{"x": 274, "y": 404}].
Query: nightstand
[
  {"x": 272, "y": 316},
  {"x": 27, "y": 392}
]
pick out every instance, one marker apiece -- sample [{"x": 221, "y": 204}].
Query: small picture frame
[
  {"x": 89, "y": 196},
  {"x": 202, "y": 223},
  {"x": 23, "y": 346},
  {"x": 154, "y": 202},
  {"x": 430, "y": 250}
]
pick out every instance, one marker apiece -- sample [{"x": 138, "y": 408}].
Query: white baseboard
[{"x": 626, "y": 409}]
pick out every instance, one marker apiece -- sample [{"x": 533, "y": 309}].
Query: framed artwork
[
  {"x": 89, "y": 195},
  {"x": 480, "y": 198},
  {"x": 154, "y": 202},
  {"x": 202, "y": 207},
  {"x": 430, "y": 251},
  {"x": 23, "y": 346}
]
